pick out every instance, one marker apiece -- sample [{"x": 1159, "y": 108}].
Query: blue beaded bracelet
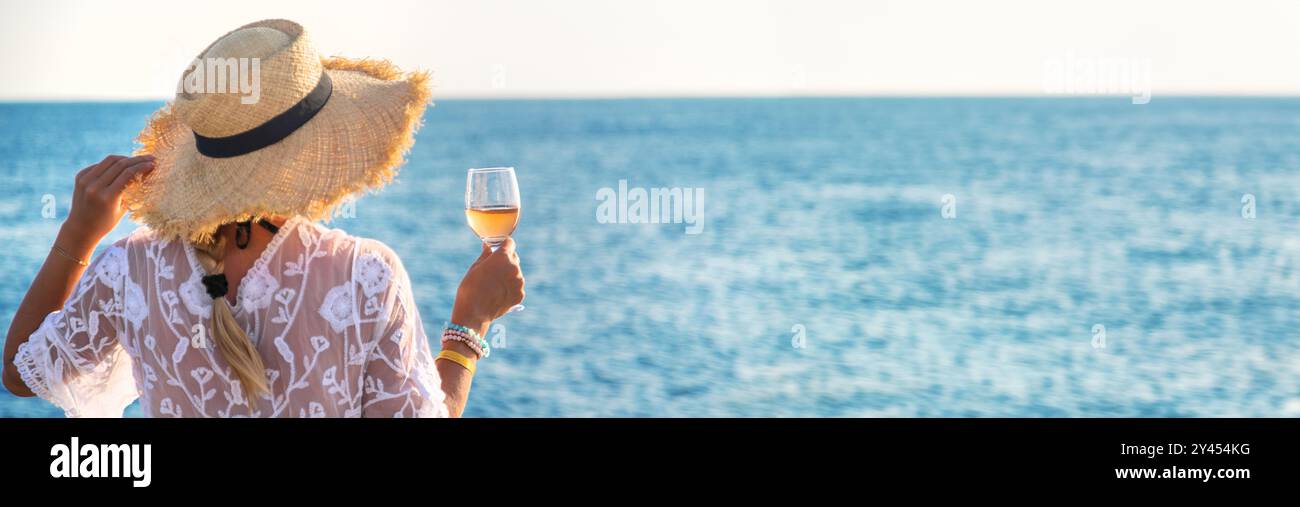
[
  {"x": 484, "y": 349},
  {"x": 472, "y": 333}
]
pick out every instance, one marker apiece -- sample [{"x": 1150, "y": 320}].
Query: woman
[{"x": 231, "y": 301}]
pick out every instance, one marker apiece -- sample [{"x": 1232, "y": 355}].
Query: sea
[{"x": 852, "y": 257}]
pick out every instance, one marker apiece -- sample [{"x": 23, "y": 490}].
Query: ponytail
[{"x": 232, "y": 342}]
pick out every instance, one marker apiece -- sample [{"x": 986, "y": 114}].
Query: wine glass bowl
[
  {"x": 492, "y": 203},
  {"x": 492, "y": 206}
]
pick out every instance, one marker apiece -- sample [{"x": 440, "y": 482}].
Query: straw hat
[{"x": 320, "y": 129}]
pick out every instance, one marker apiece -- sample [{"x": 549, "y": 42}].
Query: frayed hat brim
[{"x": 355, "y": 143}]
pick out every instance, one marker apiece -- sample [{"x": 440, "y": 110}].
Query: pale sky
[{"x": 68, "y": 49}]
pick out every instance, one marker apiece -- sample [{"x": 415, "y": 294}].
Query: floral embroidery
[
  {"x": 344, "y": 334},
  {"x": 110, "y": 268},
  {"x": 340, "y": 307},
  {"x": 285, "y": 295},
  {"x": 169, "y": 298},
  {"x": 201, "y": 374},
  {"x": 257, "y": 289},
  {"x": 283, "y": 348},
  {"x": 314, "y": 410},
  {"x": 237, "y": 393},
  {"x": 92, "y": 324},
  {"x": 305, "y": 236},
  {"x": 149, "y": 377},
  {"x": 319, "y": 343},
  {"x": 136, "y": 308},
  {"x": 181, "y": 347},
  {"x": 373, "y": 274},
  {"x": 196, "y": 298}
]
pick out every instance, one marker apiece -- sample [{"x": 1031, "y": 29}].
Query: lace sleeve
[
  {"x": 74, "y": 360},
  {"x": 400, "y": 377}
]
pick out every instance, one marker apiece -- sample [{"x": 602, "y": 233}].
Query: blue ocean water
[{"x": 824, "y": 227}]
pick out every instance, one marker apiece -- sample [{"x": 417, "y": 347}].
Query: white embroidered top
[{"x": 332, "y": 315}]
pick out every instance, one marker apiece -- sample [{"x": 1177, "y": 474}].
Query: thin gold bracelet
[
  {"x": 458, "y": 358},
  {"x": 65, "y": 254}
]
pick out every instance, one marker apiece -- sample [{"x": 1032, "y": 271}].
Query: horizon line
[{"x": 597, "y": 97}]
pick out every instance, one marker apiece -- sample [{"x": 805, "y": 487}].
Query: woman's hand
[
  {"x": 493, "y": 284},
  {"x": 97, "y": 197},
  {"x": 96, "y": 209}
]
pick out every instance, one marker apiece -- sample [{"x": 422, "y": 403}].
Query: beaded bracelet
[
  {"x": 472, "y": 333},
  {"x": 480, "y": 343},
  {"x": 469, "y": 333},
  {"x": 469, "y": 337},
  {"x": 450, "y": 335}
]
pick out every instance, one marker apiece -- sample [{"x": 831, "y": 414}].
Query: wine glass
[{"x": 492, "y": 206}]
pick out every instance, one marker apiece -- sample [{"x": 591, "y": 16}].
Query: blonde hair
[{"x": 232, "y": 342}]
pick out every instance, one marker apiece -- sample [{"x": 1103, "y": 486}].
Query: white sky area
[{"x": 76, "y": 50}]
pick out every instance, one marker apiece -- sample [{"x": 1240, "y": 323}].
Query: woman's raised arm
[
  {"x": 96, "y": 209},
  {"x": 493, "y": 284}
]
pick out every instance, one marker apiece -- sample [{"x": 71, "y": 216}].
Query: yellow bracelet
[
  {"x": 65, "y": 254},
  {"x": 458, "y": 358}
]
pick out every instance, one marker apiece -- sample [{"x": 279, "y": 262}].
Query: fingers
[
  {"x": 487, "y": 250},
  {"x": 110, "y": 173},
  {"x": 507, "y": 249},
  {"x": 522, "y": 293},
  {"x": 91, "y": 172},
  {"x": 127, "y": 175},
  {"x": 99, "y": 184},
  {"x": 519, "y": 287},
  {"x": 511, "y": 256},
  {"x": 517, "y": 283}
]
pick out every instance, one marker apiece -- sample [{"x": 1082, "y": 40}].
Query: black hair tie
[{"x": 216, "y": 285}]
